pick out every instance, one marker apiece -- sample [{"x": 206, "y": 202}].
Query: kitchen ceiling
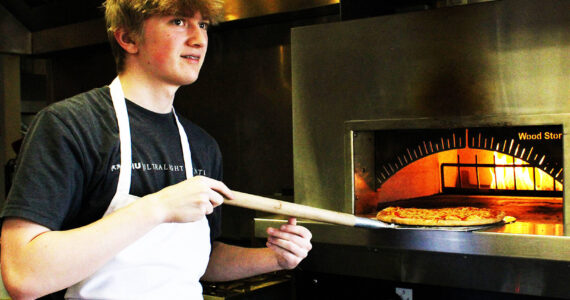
[
  {"x": 40, "y": 26},
  {"x": 38, "y": 15}
]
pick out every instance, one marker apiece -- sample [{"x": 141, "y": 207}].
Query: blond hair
[{"x": 130, "y": 15}]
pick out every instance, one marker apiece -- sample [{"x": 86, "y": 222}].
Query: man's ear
[{"x": 126, "y": 41}]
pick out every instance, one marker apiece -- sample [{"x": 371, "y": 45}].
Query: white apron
[{"x": 168, "y": 261}]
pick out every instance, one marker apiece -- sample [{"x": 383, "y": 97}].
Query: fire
[
  {"x": 481, "y": 170},
  {"x": 503, "y": 178},
  {"x": 520, "y": 176}
]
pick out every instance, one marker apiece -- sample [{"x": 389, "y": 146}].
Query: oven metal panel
[
  {"x": 552, "y": 248},
  {"x": 495, "y": 58},
  {"x": 500, "y": 63},
  {"x": 510, "y": 263}
]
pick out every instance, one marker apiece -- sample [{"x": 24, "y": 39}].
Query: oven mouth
[{"x": 511, "y": 168}]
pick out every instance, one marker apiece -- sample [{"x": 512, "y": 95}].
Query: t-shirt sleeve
[{"x": 48, "y": 173}]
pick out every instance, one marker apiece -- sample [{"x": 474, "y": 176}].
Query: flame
[{"x": 521, "y": 178}]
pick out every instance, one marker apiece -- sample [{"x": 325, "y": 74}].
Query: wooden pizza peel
[{"x": 290, "y": 209}]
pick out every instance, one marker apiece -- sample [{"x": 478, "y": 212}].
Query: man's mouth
[{"x": 192, "y": 57}]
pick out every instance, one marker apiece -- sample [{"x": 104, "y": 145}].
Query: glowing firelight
[
  {"x": 520, "y": 176},
  {"x": 366, "y": 196}
]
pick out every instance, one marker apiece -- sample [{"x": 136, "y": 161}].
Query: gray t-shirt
[{"x": 68, "y": 167}]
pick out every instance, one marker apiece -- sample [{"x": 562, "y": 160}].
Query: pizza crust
[{"x": 448, "y": 216}]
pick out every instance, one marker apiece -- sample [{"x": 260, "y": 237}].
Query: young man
[{"x": 104, "y": 202}]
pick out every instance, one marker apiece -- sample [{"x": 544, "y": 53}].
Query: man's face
[{"x": 173, "y": 48}]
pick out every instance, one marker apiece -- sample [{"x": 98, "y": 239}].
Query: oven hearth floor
[{"x": 535, "y": 215}]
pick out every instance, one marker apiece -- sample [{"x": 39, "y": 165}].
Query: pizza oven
[
  {"x": 457, "y": 106},
  {"x": 515, "y": 166}
]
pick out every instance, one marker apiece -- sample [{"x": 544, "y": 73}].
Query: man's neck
[{"x": 150, "y": 94}]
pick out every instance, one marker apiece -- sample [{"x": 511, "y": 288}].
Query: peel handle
[{"x": 300, "y": 211}]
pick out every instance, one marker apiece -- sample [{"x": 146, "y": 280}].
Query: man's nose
[{"x": 197, "y": 37}]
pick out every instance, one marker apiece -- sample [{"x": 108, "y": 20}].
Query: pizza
[{"x": 447, "y": 216}]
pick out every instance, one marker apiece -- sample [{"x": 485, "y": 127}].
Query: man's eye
[
  {"x": 204, "y": 25},
  {"x": 178, "y": 22}
]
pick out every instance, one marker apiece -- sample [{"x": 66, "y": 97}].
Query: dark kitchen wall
[{"x": 242, "y": 98}]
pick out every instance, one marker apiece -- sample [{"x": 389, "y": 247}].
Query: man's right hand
[{"x": 190, "y": 200}]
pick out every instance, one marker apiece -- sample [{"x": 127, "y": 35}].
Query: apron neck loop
[{"x": 120, "y": 107}]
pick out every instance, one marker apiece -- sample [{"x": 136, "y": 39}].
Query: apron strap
[
  {"x": 185, "y": 147},
  {"x": 124, "y": 185}
]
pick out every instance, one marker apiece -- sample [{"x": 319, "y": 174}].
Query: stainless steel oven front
[{"x": 452, "y": 105}]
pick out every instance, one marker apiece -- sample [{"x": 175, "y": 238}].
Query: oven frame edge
[{"x": 353, "y": 126}]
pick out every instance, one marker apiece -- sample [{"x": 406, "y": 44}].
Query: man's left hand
[{"x": 290, "y": 243}]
